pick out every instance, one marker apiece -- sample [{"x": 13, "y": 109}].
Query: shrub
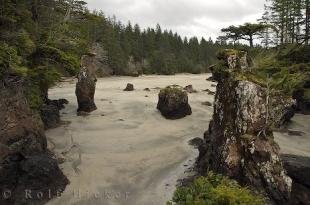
[{"x": 214, "y": 189}]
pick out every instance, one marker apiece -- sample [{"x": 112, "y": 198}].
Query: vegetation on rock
[
  {"x": 173, "y": 102},
  {"x": 214, "y": 189}
]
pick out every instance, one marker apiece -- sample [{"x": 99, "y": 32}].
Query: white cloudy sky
[{"x": 187, "y": 17}]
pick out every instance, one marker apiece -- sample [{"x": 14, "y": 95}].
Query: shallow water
[
  {"x": 126, "y": 152},
  {"x": 296, "y": 144}
]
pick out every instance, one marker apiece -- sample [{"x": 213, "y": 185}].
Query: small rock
[
  {"x": 146, "y": 96},
  {"x": 211, "y": 79},
  {"x": 196, "y": 142},
  {"x": 121, "y": 120},
  {"x": 295, "y": 133},
  {"x": 209, "y": 92},
  {"x": 60, "y": 104},
  {"x": 129, "y": 87},
  {"x": 82, "y": 113},
  {"x": 60, "y": 158},
  {"x": 147, "y": 89},
  {"x": 213, "y": 85},
  {"x": 190, "y": 89},
  {"x": 207, "y": 103}
]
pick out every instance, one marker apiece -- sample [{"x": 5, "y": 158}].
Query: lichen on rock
[{"x": 239, "y": 142}]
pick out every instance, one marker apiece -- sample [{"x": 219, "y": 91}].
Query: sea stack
[
  {"x": 239, "y": 142},
  {"x": 86, "y": 85}
]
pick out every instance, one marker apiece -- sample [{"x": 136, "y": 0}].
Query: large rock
[
  {"x": 85, "y": 89},
  {"x": 239, "y": 142},
  {"x": 173, "y": 103},
  {"x": 298, "y": 168},
  {"x": 24, "y": 160}
]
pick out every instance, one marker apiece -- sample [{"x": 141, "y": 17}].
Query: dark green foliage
[
  {"x": 9, "y": 60},
  {"x": 295, "y": 54},
  {"x": 246, "y": 32},
  {"x": 290, "y": 20},
  {"x": 46, "y": 55},
  {"x": 287, "y": 69},
  {"x": 214, "y": 190}
]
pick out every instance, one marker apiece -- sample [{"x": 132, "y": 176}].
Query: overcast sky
[{"x": 187, "y": 17}]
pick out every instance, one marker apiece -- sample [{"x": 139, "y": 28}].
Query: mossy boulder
[{"x": 173, "y": 103}]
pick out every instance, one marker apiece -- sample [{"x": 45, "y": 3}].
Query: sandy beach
[{"x": 126, "y": 152}]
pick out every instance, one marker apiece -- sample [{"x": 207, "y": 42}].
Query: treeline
[
  {"x": 42, "y": 40},
  {"x": 283, "y": 22},
  {"x": 289, "y": 20},
  {"x": 159, "y": 51},
  {"x": 52, "y": 35}
]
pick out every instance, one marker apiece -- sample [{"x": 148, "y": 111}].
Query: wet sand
[
  {"x": 296, "y": 144},
  {"x": 126, "y": 152}
]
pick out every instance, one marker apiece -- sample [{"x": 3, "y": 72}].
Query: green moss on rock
[{"x": 214, "y": 189}]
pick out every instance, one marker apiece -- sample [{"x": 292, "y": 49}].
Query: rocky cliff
[
  {"x": 239, "y": 142},
  {"x": 25, "y": 163}
]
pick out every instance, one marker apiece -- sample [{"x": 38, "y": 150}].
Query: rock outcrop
[
  {"x": 85, "y": 87},
  {"x": 239, "y": 142},
  {"x": 173, "y": 103},
  {"x": 25, "y": 163}
]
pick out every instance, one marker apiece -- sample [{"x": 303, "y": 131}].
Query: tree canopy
[{"x": 247, "y": 32}]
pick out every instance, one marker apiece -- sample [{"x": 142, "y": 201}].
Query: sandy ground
[
  {"x": 126, "y": 152},
  {"x": 129, "y": 154}
]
